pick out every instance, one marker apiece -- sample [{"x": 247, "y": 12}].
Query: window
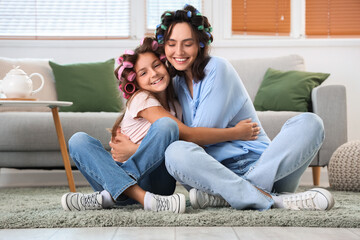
[
  {"x": 332, "y": 18},
  {"x": 154, "y": 9},
  {"x": 261, "y": 17},
  {"x": 36, "y": 19}
]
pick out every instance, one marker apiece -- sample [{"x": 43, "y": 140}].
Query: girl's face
[
  {"x": 182, "y": 48},
  {"x": 151, "y": 73}
]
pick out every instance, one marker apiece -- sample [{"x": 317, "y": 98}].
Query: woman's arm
[
  {"x": 244, "y": 130},
  {"x": 122, "y": 147}
]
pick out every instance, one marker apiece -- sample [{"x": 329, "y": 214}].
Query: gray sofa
[{"x": 28, "y": 139}]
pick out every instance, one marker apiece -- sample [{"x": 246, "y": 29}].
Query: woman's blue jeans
[
  {"x": 278, "y": 169},
  {"x": 145, "y": 168}
]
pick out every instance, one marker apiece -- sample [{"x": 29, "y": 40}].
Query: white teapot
[{"x": 17, "y": 84}]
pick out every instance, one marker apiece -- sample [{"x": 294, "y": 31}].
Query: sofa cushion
[
  {"x": 287, "y": 91},
  {"x": 252, "y": 71},
  {"x": 32, "y": 65},
  {"x": 91, "y": 87},
  {"x": 272, "y": 121},
  {"x": 35, "y": 131}
]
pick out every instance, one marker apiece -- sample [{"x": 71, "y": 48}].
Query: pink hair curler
[
  {"x": 131, "y": 86},
  {"x": 131, "y": 76}
]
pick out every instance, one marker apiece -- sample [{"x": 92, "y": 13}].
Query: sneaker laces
[
  {"x": 300, "y": 201},
  {"x": 162, "y": 203},
  {"x": 215, "y": 200},
  {"x": 89, "y": 201}
]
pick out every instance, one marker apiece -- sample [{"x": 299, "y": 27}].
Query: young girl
[{"x": 150, "y": 122}]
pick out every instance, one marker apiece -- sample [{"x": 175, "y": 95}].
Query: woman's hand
[
  {"x": 247, "y": 130},
  {"x": 122, "y": 148}
]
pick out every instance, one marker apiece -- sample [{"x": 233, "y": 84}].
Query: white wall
[{"x": 340, "y": 57}]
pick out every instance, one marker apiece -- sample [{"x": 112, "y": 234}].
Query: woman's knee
[
  {"x": 176, "y": 154},
  {"x": 313, "y": 122}
]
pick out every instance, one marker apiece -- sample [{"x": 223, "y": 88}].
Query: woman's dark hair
[
  {"x": 126, "y": 75},
  {"x": 201, "y": 30}
]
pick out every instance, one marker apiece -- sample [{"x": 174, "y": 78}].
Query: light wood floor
[{"x": 183, "y": 233}]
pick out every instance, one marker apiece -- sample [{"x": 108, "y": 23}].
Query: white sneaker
[
  {"x": 200, "y": 199},
  {"x": 175, "y": 203},
  {"x": 80, "y": 202},
  {"x": 313, "y": 199}
]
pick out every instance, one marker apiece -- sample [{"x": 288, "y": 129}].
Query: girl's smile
[{"x": 157, "y": 81}]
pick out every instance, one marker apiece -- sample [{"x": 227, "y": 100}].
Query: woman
[{"x": 247, "y": 174}]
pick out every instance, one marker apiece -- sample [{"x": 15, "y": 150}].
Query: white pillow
[{"x": 32, "y": 65}]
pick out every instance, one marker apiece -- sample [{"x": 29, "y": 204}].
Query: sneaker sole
[
  {"x": 327, "y": 195},
  {"x": 64, "y": 203},
  {"x": 192, "y": 196},
  {"x": 182, "y": 203}
]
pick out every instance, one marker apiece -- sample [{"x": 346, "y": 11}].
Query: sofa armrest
[{"x": 329, "y": 103}]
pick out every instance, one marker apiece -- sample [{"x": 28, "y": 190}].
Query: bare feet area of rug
[{"x": 41, "y": 208}]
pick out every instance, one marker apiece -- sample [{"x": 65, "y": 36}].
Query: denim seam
[
  {"x": 300, "y": 164},
  {"x": 90, "y": 172}
]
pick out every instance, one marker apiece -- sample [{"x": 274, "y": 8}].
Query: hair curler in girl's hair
[
  {"x": 124, "y": 65},
  {"x": 129, "y": 88},
  {"x": 131, "y": 76}
]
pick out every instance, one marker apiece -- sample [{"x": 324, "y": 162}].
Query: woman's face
[
  {"x": 182, "y": 48},
  {"x": 151, "y": 73}
]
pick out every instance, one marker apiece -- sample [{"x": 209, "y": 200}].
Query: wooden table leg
[
  {"x": 63, "y": 149},
  {"x": 316, "y": 171}
]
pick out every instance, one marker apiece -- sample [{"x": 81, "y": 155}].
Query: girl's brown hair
[
  {"x": 201, "y": 30},
  {"x": 129, "y": 85}
]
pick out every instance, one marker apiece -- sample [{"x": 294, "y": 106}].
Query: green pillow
[
  {"x": 287, "y": 91},
  {"x": 91, "y": 87}
]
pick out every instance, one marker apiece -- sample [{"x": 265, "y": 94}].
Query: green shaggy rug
[{"x": 40, "y": 208}]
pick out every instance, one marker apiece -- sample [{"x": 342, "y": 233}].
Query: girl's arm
[{"x": 244, "y": 130}]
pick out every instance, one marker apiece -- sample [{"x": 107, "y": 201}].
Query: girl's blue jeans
[
  {"x": 277, "y": 169},
  {"x": 145, "y": 168}
]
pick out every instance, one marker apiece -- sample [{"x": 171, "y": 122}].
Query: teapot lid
[{"x": 16, "y": 71}]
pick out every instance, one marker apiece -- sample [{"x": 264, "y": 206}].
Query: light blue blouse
[{"x": 220, "y": 100}]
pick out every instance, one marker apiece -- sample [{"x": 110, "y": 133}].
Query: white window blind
[
  {"x": 154, "y": 9},
  {"x": 65, "y": 18}
]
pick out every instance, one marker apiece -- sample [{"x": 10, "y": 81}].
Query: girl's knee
[
  {"x": 77, "y": 138},
  {"x": 78, "y": 141},
  {"x": 167, "y": 125}
]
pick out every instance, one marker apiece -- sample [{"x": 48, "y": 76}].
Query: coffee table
[{"x": 54, "y": 106}]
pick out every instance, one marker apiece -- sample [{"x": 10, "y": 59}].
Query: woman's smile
[{"x": 181, "y": 60}]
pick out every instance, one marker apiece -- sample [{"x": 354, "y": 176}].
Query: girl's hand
[
  {"x": 247, "y": 130},
  {"x": 122, "y": 148}
]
